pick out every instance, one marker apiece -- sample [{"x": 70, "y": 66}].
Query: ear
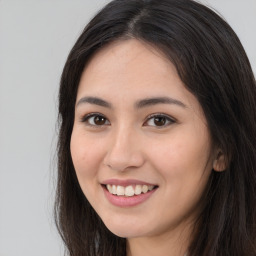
[{"x": 219, "y": 163}]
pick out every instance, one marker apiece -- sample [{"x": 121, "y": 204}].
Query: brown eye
[
  {"x": 159, "y": 120},
  {"x": 95, "y": 120},
  {"x": 99, "y": 120}
]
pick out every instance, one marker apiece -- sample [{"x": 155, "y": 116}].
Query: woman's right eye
[{"x": 95, "y": 120}]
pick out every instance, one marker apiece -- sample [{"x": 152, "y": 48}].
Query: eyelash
[
  {"x": 87, "y": 117},
  {"x": 167, "y": 119}
]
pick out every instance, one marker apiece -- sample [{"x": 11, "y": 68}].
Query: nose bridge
[{"x": 124, "y": 150}]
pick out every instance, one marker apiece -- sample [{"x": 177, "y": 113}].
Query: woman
[{"x": 157, "y": 143}]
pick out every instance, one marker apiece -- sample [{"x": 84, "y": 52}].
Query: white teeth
[
  {"x": 113, "y": 190},
  {"x": 129, "y": 190},
  {"x": 144, "y": 189},
  {"x": 109, "y": 187},
  {"x": 120, "y": 190},
  {"x": 138, "y": 189},
  {"x": 150, "y": 187}
]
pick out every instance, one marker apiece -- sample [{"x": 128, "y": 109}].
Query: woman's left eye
[{"x": 159, "y": 121}]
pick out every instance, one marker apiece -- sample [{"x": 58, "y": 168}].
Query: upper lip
[{"x": 125, "y": 183}]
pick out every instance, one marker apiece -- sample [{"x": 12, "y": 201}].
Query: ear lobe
[{"x": 219, "y": 164}]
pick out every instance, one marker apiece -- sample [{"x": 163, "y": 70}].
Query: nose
[{"x": 124, "y": 150}]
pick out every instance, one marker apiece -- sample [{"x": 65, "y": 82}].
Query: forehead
[
  {"x": 131, "y": 70},
  {"x": 127, "y": 61},
  {"x": 127, "y": 48}
]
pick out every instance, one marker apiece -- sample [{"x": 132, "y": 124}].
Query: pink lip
[{"x": 126, "y": 201}]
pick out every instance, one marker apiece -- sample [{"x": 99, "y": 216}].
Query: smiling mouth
[{"x": 128, "y": 191}]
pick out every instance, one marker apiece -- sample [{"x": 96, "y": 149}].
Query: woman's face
[{"x": 140, "y": 144}]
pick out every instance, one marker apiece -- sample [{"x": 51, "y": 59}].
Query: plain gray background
[{"x": 35, "y": 38}]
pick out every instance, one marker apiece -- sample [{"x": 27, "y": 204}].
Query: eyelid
[
  {"x": 85, "y": 118},
  {"x": 168, "y": 118}
]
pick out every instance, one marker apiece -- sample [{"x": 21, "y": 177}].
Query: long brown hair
[{"x": 213, "y": 65}]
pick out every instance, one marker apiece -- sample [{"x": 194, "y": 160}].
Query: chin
[{"x": 126, "y": 231}]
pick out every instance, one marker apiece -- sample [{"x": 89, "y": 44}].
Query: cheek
[
  {"x": 184, "y": 169},
  {"x": 85, "y": 156},
  {"x": 185, "y": 156},
  {"x": 178, "y": 155}
]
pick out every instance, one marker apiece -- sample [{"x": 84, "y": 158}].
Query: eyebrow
[
  {"x": 94, "y": 101},
  {"x": 158, "y": 100},
  {"x": 139, "y": 104}
]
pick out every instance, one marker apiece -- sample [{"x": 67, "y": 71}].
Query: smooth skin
[{"x": 121, "y": 133}]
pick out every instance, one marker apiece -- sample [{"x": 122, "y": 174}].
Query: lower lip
[{"x": 127, "y": 201}]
